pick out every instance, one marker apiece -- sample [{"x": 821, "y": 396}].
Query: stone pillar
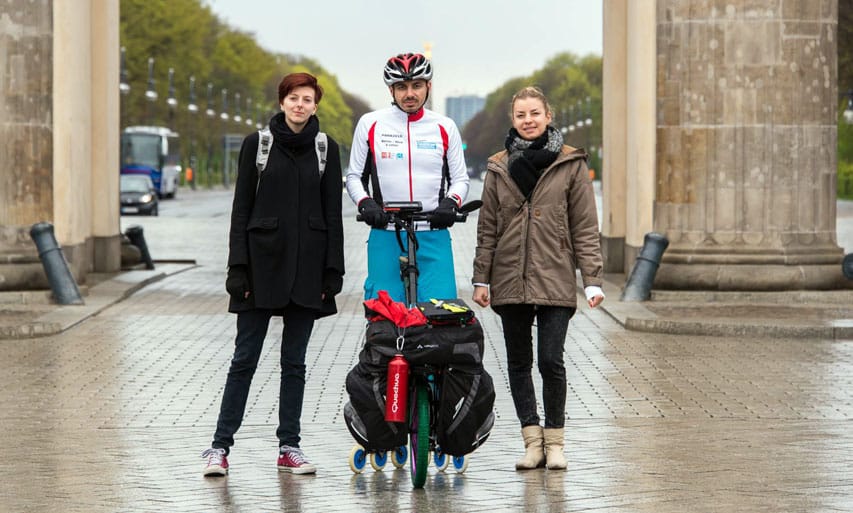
[
  {"x": 746, "y": 155},
  {"x": 26, "y": 137},
  {"x": 58, "y": 135},
  {"x": 614, "y": 183},
  {"x": 72, "y": 135},
  {"x": 640, "y": 119},
  {"x": 629, "y": 130},
  {"x": 105, "y": 136}
]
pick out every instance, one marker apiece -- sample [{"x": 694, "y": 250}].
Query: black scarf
[
  {"x": 285, "y": 139},
  {"x": 528, "y": 159}
]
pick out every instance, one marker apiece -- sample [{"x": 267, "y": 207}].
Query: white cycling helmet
[{"x": 407, "y": 66}]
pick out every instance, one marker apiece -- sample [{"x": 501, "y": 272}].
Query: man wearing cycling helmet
[{"x": 408, "y": 153}]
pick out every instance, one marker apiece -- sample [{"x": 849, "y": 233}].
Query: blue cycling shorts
[{"x": 436, "y": 279}]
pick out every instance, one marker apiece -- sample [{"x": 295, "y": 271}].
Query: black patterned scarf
[{"x": 527, "y": 159}]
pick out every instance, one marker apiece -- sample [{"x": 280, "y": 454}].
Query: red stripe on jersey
[
  {"x": 444, "y": 138},
  {"x": 371, "y": 143}
]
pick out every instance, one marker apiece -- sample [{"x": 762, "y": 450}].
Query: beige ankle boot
[
  {"x": 554, "y": 458},
  {"x": 534, "y": 455}
]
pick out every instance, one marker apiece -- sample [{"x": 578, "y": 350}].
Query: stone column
[
  {"x": 628, "y": 131},
  {"x": 105, "y": 136},
  {"x": 746, "y": 153},
  {"x": 72, "y": 135},
  {"x": 640, "y": 118},
  {"x": 26, "y": 137},
  {"x": 58, "y": 135},
  {"x": 614, "y": 132}
]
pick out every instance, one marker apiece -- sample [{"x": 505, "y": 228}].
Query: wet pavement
[{"x": 111, "y": 413}]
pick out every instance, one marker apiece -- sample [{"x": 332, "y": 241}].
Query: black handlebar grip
[{"x": 461, "y": 215}]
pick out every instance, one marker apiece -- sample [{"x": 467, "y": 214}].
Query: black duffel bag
[
  {"x": 364, "y": 414},
  {"x": 465, "y": 413},
  {"x": 428, "y": 344}
]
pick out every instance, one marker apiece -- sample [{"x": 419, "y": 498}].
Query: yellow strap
[{"x": 452, "y": 307}]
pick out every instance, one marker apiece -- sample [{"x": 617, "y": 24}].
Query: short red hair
[{"x": 294, "y": 80}]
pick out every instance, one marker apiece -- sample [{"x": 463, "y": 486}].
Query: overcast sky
[{"x": 477, "y": 45}]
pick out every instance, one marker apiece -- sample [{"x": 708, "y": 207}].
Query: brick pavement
[{"x": 111, "y": 415}]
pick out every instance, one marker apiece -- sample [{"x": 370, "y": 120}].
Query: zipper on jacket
[
  {"x": 409, "y": 142},
  {"x": 526, "y": 252}
]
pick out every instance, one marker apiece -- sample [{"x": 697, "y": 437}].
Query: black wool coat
[{"x": 289, "y": 233}]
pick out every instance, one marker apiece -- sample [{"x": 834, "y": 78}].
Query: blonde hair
[{"x": 529, "y": 92}]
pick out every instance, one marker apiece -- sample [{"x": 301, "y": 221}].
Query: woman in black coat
[{"x": 286, "y": 258}]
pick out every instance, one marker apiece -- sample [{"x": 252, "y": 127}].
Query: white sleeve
[
  {"x": 457, "y": 168},
  {"x": 357, "y": 160},
  {"x": 592, "y": 291}
]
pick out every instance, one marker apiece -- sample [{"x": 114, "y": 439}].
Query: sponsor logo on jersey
[{"x": 427, "y": 145}]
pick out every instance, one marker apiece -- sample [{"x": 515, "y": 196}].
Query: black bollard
[
  {"x": 639, "y": 285},
  {"x": 847, "y": 266},
  {"x": 134, "y": 233},
  {"x": 62, "y": 284}
]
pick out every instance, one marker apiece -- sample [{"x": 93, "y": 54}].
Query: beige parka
[{"x": 527, "y": 252}]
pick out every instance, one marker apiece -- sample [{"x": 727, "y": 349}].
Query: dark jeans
[
  {"x": 251, "y": 330},
  {"x": 552, "y": 323}
]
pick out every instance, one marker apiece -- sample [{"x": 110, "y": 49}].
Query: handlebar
[{"x": 411, "y": 211}]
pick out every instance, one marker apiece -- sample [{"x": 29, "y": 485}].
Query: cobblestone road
[{"x": 113, "y": 414}]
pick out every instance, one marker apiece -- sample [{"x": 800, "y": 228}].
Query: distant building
[{"x": 462, "y": 108}]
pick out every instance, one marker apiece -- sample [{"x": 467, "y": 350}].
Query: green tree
[
  {"x": 845, "y": 86},
  {"x": 573, "y": 88},
  {"x": 186, "y": 36}
]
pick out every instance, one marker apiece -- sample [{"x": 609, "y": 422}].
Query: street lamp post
[
  {"x": 171, "y": 101},
  {"x": 571, "y": 117},
  {"x": 260, "y": 116},
  {"x": 192, "y": 108},
  {"x": 211, "y": 115},
  {"x": 588, "y": 123},
  {"x": 237, "y": 117},
  {"x": 223, "y": 116},
  {"x": 123, "y": 86},
  {"x": 150, "y": 92},
  {"x": 579, "y": 123},
  {"x": 249, "y": 121}
]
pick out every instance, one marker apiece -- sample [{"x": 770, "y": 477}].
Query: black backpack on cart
[{"x": 450, "y": 341}]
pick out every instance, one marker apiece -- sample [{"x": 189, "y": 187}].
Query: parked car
[{"x": 138, "y": 195}]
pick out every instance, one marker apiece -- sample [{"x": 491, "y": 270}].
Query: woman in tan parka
[{"x": 537, "y": 226}]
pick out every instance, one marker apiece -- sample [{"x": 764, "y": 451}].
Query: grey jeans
[{"x": 552, "y": 323}]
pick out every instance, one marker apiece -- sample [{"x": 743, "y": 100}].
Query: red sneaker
[
  {"x": 217, "y": 462},
  {"x": 292, "y": 459}
]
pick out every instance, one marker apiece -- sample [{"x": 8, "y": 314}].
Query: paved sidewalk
[
  {"x": 112, "y": 413},
  {"x": 29, "y": 314}
]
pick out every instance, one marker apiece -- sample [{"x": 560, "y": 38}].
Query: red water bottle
[{"x": 397, "y": 389}]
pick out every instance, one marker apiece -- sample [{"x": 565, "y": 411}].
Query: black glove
[
  {"x": 445, "y": 215},
  {"x": 237, "y": 282},
  {"x": 372, "y": 213},
  {"x": 333, "y": 282}
]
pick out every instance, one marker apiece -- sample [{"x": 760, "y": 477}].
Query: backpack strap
[
  {"x": 265, "y": 139},
  {"x": 322, "y": 145}
]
